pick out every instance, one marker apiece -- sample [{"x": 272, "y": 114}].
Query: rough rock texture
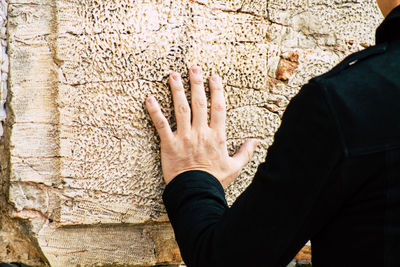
[
  {"x": 4, "y": 62},
  {"x": 80, "y": 164}
]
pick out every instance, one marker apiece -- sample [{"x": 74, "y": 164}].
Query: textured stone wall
[
  {"x": 4, "y": 63},
  {"x": 80, "y": 168}
]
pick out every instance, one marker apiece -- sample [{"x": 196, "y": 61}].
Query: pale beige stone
[{"x": 84, "y": 166}]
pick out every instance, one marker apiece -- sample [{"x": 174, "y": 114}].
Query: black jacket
[{"x": 332, "y": 176}]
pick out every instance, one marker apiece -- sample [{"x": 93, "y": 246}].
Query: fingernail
[
  {"x": 215, "y": 78},
  {"x": 196, "y": 70},
  {"x": 175, "y": 76},
  {"x": 151, "y": 100}
]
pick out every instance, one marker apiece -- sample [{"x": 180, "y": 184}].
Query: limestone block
[{"x": 84, "y": 171}]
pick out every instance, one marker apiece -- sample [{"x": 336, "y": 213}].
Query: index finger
[{"x": 159, "y": 120}]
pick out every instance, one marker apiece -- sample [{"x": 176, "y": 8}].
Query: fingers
[
  {"x": 218, "y": 109},
  {"x": 199, "y": 100},
  {"x": 159, "y": 120},
  {"x": 243, "y": 156},
  {"x": 181, "y": 105}
]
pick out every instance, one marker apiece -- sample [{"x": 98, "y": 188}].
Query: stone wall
[
  {"x": 4, "y": 63},
  {"x": 80, "y": 170}
]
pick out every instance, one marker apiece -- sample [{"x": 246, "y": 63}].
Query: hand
[{"x": 195, "y": 145}]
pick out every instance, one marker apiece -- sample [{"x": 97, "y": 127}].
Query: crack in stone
[
  {"x": 248, "y": 137},
  {"x": 261, "y": 105},
  {"x": 31, "y": 166},
  {"x": 35, "y": 157},
  {"x": 30, "y": 214},
  {"x": 116, "y": 81},
  {"x": 227, "y": 10}
]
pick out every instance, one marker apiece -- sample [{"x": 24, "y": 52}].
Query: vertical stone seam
[
  {"x": 53, "y": 46},
  {"x": 4, "y": 62},
  {"x": 21, "y": 236}
]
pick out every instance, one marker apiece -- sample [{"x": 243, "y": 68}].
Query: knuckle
[
  {"x": 216, "y": 87},
  {"x": 152, "y": 110},
  {"x": 197, "y": 81},
  {"x": 200, "y": 103},
  {"x": 187, "y": 140},
  {"x": 201, "y": 138},
  {"x": 161, "y": 124},
  {"x": 221, "y": 138},
  {"x": 219, "y": 107},
  {"x": 182, "y": 109},
  {"x": 177, "y": 88}
]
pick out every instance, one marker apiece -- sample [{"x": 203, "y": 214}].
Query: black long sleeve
[
  {"x": 332, "y": 176},
  {"x": 294, "y": 194}
]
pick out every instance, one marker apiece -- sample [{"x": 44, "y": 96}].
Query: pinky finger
[{"x": 159, "y": 120}]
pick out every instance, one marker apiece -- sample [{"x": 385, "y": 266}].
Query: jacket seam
[{"x": 335, "y": 117}]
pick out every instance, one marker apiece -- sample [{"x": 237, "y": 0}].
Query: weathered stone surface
[
  {"x": 110, "y": 245},
  {"x": 83, "y": 167}
]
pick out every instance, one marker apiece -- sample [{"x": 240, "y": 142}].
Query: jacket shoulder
[
  {"x": 363, "y": 92},
  {"x": 352, "y": 60}
]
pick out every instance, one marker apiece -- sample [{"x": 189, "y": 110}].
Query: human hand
[{"x": 197, "y": 145}]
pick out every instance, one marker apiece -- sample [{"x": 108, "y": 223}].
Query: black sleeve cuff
[{"x": 188, "y": 185}]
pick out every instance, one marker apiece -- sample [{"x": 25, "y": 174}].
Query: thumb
[{"x": 243, "y": 156}]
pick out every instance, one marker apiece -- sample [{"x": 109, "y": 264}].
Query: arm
[{"x": 293, "y": 195}]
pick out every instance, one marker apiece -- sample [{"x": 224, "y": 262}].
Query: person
[{"x": 332, "y": 175}]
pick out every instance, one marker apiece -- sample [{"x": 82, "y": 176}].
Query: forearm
[
  {"x": 279, "y": 211},
  {"x": 195, "y": 202}
]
